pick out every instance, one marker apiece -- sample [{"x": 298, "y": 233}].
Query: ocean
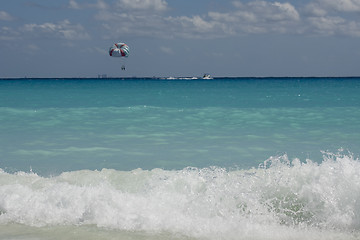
[{"x": 180, "y": 158}]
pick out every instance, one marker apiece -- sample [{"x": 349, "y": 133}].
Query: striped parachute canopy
[{"x": 119, "y": 50}]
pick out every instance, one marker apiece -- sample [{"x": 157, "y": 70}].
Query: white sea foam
[{"x": 281, "y": 199}]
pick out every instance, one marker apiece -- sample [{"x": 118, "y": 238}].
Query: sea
[{"x": 180, "y": 158}]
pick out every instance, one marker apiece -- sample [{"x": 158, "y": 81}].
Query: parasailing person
[{"x": 119, "y": 50}]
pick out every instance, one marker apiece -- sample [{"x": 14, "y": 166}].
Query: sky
[{"x": 180, "y": 38}]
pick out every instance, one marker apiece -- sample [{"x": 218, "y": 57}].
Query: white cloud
[
  {"x": 135, "y": 17},
  {"x": 100, "y": 4},
  {"x": 268, "y": 11},
  {"x": 195, "y": 23},
  {"x": 7, "y": 33},
  {"x": 158, "y": 5},
  {"x": 314, "y": 9},
  {"x": 341, "y": 5},
  {"x": 73, "y": 4},
  {"x": 334, "y": 25},
  {"x": 63, "y": 29},
  {"x": 338, "y": 7},
  {"x": 333, "y": 17},
  {"x": 33, "y": 47},
  {"x": 166, "y": 50},
  {"x": 252, "y": 17},
  {"x": 4, "y": 16},
  {"x": 326, "y": 25},
  {"x": 257, "y": 17},
  {"x": 201, "y": 25},
  {"x": 147, "y": 18},
  {"x": 286, "y": 11},
  {"x": 191, "y": 27}
]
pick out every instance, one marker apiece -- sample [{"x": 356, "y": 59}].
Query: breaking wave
[{"x": 280, "y": 198}]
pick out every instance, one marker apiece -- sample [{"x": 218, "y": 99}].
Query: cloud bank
[
  {"x": 157, "y": 18},
  {"x": 64, "y": 29},
  {"x": 325, "y": 17}
]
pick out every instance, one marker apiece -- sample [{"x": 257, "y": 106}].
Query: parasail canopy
[{"x": 119, "y": 50}]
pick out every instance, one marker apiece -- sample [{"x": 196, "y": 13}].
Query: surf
[{"x": 281, "y": 198}]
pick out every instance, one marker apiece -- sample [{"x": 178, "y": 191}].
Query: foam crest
[{"x": 281, "y": 197}]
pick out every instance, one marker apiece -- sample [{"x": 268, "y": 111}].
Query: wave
[{"x": 282, "y": 198}]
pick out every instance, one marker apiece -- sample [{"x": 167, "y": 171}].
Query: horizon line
[{"x": 175, "y": 78}]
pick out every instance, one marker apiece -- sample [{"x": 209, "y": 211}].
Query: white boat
[{"x": 207, "y": 76}]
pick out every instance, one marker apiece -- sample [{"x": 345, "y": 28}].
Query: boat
[{"x": 207, "y": 76}]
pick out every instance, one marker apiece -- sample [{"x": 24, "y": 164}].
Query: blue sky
[{"x": 71, "y": 38}]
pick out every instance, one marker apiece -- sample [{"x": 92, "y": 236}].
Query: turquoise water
[{"x": 180, "y": 159}]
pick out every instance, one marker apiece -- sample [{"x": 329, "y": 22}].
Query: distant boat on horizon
[{"x": 207, "y": 76}]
